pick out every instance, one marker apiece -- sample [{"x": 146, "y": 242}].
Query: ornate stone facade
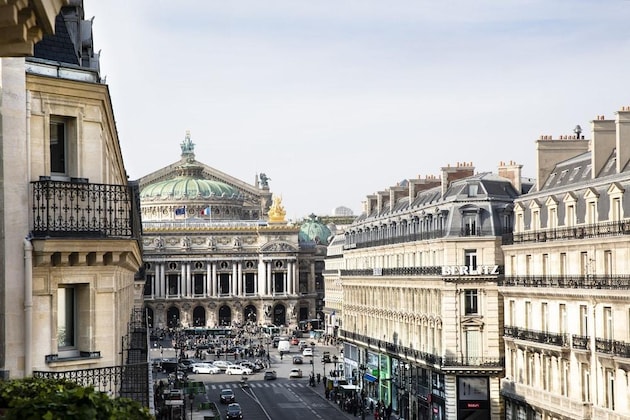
[
  {"x": 212, "y": 256},
  {"x": 566, "y": 291}
]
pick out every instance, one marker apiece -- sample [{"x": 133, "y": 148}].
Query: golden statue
[{"x": 276, "y": 211}]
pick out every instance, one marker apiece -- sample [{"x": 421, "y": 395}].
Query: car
[
  {"x": 295, "y": 373},
  {"x": 227, "y": 396},
  {"x": 302, "y": 344},
  {"x": 222, "y": 364},
  {"x": 294, "y": 341},
  {"x": 270, "y": 375},
  {"x": 234, "y": 412},
  {"x": 307, "y": 352},
  {"x": 297, "y": 360},
  {"x": 326, "y": 357},
  {"x": 205, "y": 368},
  {"x": 188, "y": 363},
  {"x": 238, "y": 370}
]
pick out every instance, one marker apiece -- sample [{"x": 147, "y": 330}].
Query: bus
[
  {"x": 308, "y": 325},
  {"x": 270, "y": 330}
]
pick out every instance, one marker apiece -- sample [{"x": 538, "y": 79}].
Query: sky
[{"x": 335, "y": 100}]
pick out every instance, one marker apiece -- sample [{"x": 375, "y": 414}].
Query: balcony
[
  {"x": 78, "y": 208},
  {"x": 395, "y": 271},
  {"x": 569, "y": 282},
  {"x": 543, "y": 337},
  {"x": 597, "y": 230},
  {"x": 613, "y": 347}
]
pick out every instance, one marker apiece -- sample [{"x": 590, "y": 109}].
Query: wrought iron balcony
[
  {"x": 581, "y": 342},
  {"x": 597, "y": 230},
  {"x": 544, "y": 337},
  {"x": 613, "y": 347},
  {"x": 493, "y": 362},
  {"x": 395, "y": 271},
  {"x": 78, "y": 208},
  {"x": 579, "y": 281}
]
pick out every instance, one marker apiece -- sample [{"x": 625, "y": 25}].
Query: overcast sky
[{"x": 336, "y": 100}]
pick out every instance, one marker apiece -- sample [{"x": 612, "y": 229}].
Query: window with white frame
[
  {"x": 544, "y": 315},
  {"x": 591, "y": 212},
  {"x": 562, "y": 318},
  {"x": 528, "y": 314},
  {"x": 470, "y": 258},
  {"x": 545, "y": 265},
  {"x": 552, "y": 217},
  {"x": 608, "y": 323},
  {"x": 61, "y": 145},
  {"x": 586, "y": 382},
  {"x": 66, "y": 318},
  {"x": 609, "y": 389},
  {"x": 471, "y": 302},
  {"x": 583, "y": 320}
]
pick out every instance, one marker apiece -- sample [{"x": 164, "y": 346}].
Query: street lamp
[
  {"x": 362, "y": 370},
  {"x": 312, "y": 379}
]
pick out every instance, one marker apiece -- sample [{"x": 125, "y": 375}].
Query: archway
[
  {"x": 172, "y": 317},
  {"x": 225, "y": 316},
  {"x": 199, "y": 316},
  {"x": 150, "y": 317},
  {"x": 250, "y": 315},
  {"x": 279, "y": 314}
]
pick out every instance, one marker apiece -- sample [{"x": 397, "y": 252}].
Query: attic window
[
  {"x": 562, "y": 175},
  {"x": 472, "y": 190},
  {"x": 587, "y": 171},
  {"x": 550, "y": 180},
  {"x": 574, "y": 173}
]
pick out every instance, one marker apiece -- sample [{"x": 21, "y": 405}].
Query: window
[
  {"x": 512, "y": 313},
  {"x": 472, "y": 190},
  {"x": 250, "y": 283},
  {"x": 562, "y": 318},
  {"x": 224, "y": 283},
  {"x": 591, "y": 212},
  {"x": 528, "y": 314},
  {"x": 563, "y": 263},
  {"x": 586, "y": 382},
  {"x": 66, "y": 318},
  {"x": 545, "y": 265},
  {"x": 198, "y": 281},
  {"x": 616, "y": 209},
  {"x": 528, "y": 265},
  {"x": 609, "y": 392},
  {"x": 544, "y": 315},
  {"x": 608, "y": 323},
  {"x": 583, "y": 320},
  {"x": 470, "y": 259},
  {"x": 58, "y": 146},
  {"x": 552, "y": 221},
  {"x": 470, "y": 224},
  {"x": 471, "y": 302},
  {"x": 173, "y": 284},
  {"x": 473, "y": 342},
  {"x": 608, "y": 263},
  {"x": 570, "y": 216},
  {"x": 148, "y": 285}
]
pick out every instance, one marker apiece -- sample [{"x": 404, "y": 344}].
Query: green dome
[
  {"x": 313, "y": 230},
  {"x": 189, "y": 184}
]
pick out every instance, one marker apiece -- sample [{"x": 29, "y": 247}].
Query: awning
[{"x": 370, "y": 378}]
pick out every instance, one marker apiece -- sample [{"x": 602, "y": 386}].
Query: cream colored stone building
[
  {"x": 422, "y": 315},
  {"x": 70, "y": 221},
  {"x": 218, "y": 251},
  {"x": 566, "y": 288}
]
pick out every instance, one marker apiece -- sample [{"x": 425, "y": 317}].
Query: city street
[{"x": 282, "y": 398}]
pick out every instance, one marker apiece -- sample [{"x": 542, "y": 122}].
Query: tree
[{"x": 48, "y": 399}]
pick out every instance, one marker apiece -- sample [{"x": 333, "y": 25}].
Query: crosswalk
[{"x": 234, "y": 385}]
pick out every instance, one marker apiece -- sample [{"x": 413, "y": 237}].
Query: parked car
[
  {"x": 234, "y": 412},
  {"x": 222, "y": 364},
  {"x": 238, "y": 370},
  {"x": 307, "y": 352},
  {"x": 297, "y": 360},
  {"x": 294, "y": 341},
  {"x": 187, "y": 363},
  {"x": 295, "y": 373},
  {"x": 205, "y": 368},
  {"x": 270, "y": 375},
  {"x": 227, "y": 396}
]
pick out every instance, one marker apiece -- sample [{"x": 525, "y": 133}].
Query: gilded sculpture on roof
[{"x": 276, "y": 211}]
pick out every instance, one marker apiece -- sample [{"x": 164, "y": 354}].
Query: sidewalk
[{"x": 319, "y": 390}]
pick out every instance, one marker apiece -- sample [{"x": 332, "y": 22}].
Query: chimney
[
  {"x": 549, "y": 152},
  {"x": 512, "y": 171},
  {"x": 419, "y": 184},
  {"x": 450, "y": 174},
  {"x": 623, "y": 136},
  {"x": 395, "y": 194},
  {"x": 602, "y": 143},
  {"x": 371, "y": 204}
]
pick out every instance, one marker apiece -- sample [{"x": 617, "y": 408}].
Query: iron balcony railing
[
  {"x": 613, "y": 347},
  {"x": 81, "y": 209},
  {"x": 596, "y": 230},
  {"x": 581, "y": 342},
  {"x": 429, "y": 358},
  {"x": 543, "y": 337},
  {"x": 569, "y": 282},
  {"x": 396, "y": 271}
]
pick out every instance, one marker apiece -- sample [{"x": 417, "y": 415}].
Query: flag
[
  {"x": 206, "y": 211},
  {"x": 180, "y": 211}
]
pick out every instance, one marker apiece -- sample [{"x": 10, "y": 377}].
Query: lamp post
[
  {"x": 312, "y": 379},
  {"x": 362, "y": 370}
]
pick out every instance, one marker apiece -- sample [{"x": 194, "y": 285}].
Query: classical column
[
  {"x": 234, "y": 289},
  {"x": 262, "y": 279},
  {"x": 159, "y": 268},
  {"x": 239, "y": 278},
  {"x": 189, "y": 281},
  {"x": 215, "y": 291},
  {"x": 207, "y": 287},
  {"x": 269, "y": 279},
  {"x": 182, "y": 281}
]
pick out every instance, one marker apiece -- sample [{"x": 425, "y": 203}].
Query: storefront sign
[{"x": 465, "y": 270}]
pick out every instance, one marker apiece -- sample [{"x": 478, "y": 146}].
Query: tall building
[
  {"x": 566, "y": 288},
  {"x": 218, "y": 251},
  {"x": 422, "y": 315},
  {"x": 70, "y": 248}
]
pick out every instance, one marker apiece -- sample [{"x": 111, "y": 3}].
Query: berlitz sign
[{"x": 465, "y": 270}]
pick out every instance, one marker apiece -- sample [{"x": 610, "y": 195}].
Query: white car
[
  {"x": 307, "y": 352},
  {"x": 238, "y": 370},
  {"x": 222, "y": 364},
  {"x": 205, "y": 368},
  {"x": 295, "y": 373}
]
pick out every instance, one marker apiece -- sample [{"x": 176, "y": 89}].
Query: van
[{"x": 284, "y": 346}]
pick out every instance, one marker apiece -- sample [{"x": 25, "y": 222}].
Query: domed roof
[
  {"x": 313, "y": 230},
  {"x": 189, "y": 182}
]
